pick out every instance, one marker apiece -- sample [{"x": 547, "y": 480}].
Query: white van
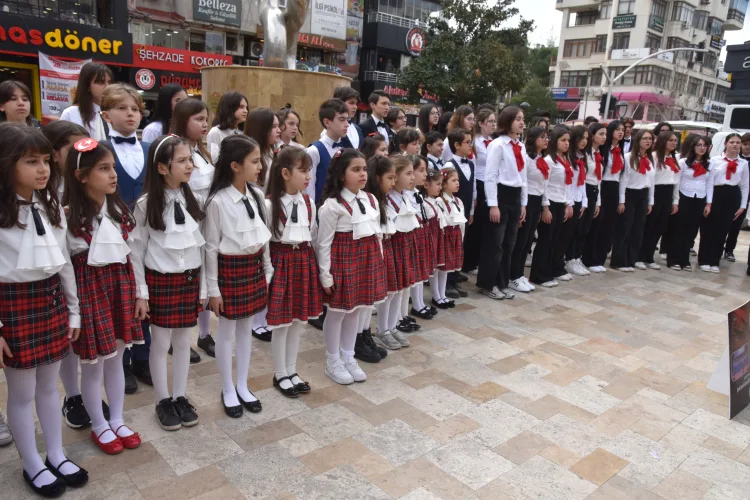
[{"x": 736, "y": 120}]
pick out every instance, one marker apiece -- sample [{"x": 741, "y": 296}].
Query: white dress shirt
[
  {"x": 315, "y": 157},
  {"x": 214, "y": 138},
  {"x": 536, "y": 184},
  {"x": 435, "y": 162},
  {"x": 453, "y": 211},
  {"x": 557, "y": 190},
  {"x": 26, "y": 256},
  {"x": 380, "y": 124},
  {"x": 480, "y": 160},
  {"x": 353, "y": 136},
  {"x": 294, "y": 143},
  {"x": 591, "y": 178},
  {"x": 333, "y": 218},
  {"x": 293, "y": 233},
  {"x": 229, "y": 230},
  {"x": 95, "y": 128},
  {"x": 607, "y": 175},
  {"x": 665, "y": 176},
  {"x": 693, "y": 187},
  {"x": 202, "y": 175},
  {"x": 405, "y": 216},
  {"x": 107, "y": 243},
  {"x": 130, "y": 155},
  {"x": 439, "y": 211},
  {"x": 627, "y": 143},
  {"x": 632, "y": 179},
  {"x": 718, "y": 177},
  {"x": 501, "y": 169},
  {"x": 152, "y": 131},
  {"x": 174, "y": 250},
  {"x": 579, "y": 192}
]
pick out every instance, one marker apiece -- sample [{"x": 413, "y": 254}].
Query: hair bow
[
  {"x": 337, "y": 154},
  {"x": 84, "y": 146}
]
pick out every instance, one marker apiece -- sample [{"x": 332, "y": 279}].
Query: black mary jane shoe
[
  {"x": 52, "y": 490},
  {"x": 291, "y": 392},
  {"x": 433, "y": 310},
  {"x": 262, "y": 333},
  {"x": 251, "y": 406},
  {"x": 75, "y": 480},
  {"x": 423, "y": 313},
  {"x": 231, "y": 411},
  {"x": 303, "y": 387},
  {"x": 441, "y": 305},
  {"x": 406, "y": 327}
]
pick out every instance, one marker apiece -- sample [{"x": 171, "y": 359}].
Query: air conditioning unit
[
  {"x": 685, "y": 25},
  {"x": 702, "y": 100},
  {"x": 256, "y": 50}
]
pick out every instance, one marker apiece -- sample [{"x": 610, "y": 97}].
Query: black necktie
[
  {"x": 420, "y": 202},
  {"x": 179, "y": 215},
  {"x": 248, "y": 207},
  {"x": 37, "y": 221},
  {"x": 120, "y": 140},
  {"x": 361, "y": 206},
  {"x": 294, "y": 212}
]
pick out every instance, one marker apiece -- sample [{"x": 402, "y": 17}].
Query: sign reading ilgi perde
[{"x": 227, "y": 12}]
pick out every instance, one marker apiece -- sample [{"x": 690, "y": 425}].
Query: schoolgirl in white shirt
[
  {"x": 436, "y": 222},
  {"x": 62, "y": 135},
  {"x": 432, "y": 149},
  {"x": 39, "y": 311},
  {"x": 727, "y": 199},
  {"x": 588, "y": 225},
  {"x": 425, "y": 253},
  {"x": 231, "y": 114},
  {"x": 666, "y": 198},
  {"x": 455, "y": 227},
  {"x": 238, "y": 264},
  {"x": 295, "y": 295},
  {"x": 85, "y": 111},
  {"x": 636, "y": 202},
  {"x": 289, "y": 121},
  {"x": 350, "y": 261},
  {"x": 169, "y": 95},
  {"x": 579, "y": 140},
  {"x": 486, "y": 122},
  {"x": 166, "y": 259},
  {"x": 99, "y": 228}
]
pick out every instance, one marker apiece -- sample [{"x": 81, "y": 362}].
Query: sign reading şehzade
[
  {"x": 739, "y": 359},
  {"x": 227, "y": 12}
]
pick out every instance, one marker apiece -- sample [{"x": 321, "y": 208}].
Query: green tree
[
  {"x": 538, "y": 63},
  {"x": 538, "y": 96},
  {"x": 470, "y": 53}
]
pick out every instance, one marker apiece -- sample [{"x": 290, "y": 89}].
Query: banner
[
  {"x": 328, "y": 18},
  {"x": 739, "y": 359},
  {"x": 57, "y": 82}
]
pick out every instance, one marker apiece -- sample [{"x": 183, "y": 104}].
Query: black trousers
[
  {"x": 525, "y": 236},
  {"x": 656, "y": 222},
  {"x": 597, "y": 248},
  {"x": 687, "y": 220},
  {"x": 734, "y": 232},
  {"x": 578, "y": 243},
  {"x": 568, "y": 233},
  {"x": 715, "y": 227},
  {"x": 499, "y": 240},
  {"x": 139, "y": 352},
  {"x": 626, "y": 244},
  {"x": 473, "y": 236},
  {"x": 542, "y": 266}
]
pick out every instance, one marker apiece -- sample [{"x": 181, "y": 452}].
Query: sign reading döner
[{"x": 186, "y": 61}]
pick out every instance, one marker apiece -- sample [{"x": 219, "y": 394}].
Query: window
[
  {"x": 596, "y": 77},
  {"x": 198, "y": 41},
  {"x": 605, "y": 10},
  {"x": 710, "y": 60},
  {"x": 653, "y": 42},
  {"x": 215, "y": 42},
  {"x": 621, "y": 41},
  {"x": 700, "y": 19},
  {"x": 682, "y": 11},
  {"x": 675, "y": 43},
  {"x": 574, "y": 78},
  {"x": 601, "y": 44},
  {"x": 693, "y": 86},
  {"x": 721, "y": 94},
  {"x": 662, "y": 77},
  {"x": 580, "y": 48},
  {"x": 169, "y": 37},
  {"x": 626, "y": 7},
  {"x": 714, "y": 26},
  {"x": 737, "y": 10},
  {"x": 88, "y": 12},
  {"x": 588, "y": 17},
  {"x": 708, "y": 90},
  {"x": 641, "y": 75},
  {"x": 680, "y": 81},
  {"x": 659, "y": 8}
]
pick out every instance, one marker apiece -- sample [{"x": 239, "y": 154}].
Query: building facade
[{"x": 607, "y": 36}]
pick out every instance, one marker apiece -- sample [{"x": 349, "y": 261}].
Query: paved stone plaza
[{"x": 595, "y": 389}]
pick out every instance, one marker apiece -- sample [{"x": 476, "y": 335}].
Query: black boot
[
  {"x": 131, "y": 384},
  {"x": 142, "y": 372},
  {"x": 368, "y": 340},
  {"x": 365, "y": 353}
]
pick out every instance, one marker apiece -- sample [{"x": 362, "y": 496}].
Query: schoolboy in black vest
[
  {"x": 121, "y": 109},
  {"x": 354, "y": 136},
  {"x": 379, "y": 102}
]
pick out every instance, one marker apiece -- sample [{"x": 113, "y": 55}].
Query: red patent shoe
[
  {"x": 130, "y": 442},
  {"x": 111, "y": 448}
]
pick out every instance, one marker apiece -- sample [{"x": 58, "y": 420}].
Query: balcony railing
[
  {"x": 380, "y": 76},
  {"x": 381, "y": 17}
]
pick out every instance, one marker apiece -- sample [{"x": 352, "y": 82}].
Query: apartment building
[{"x": 607, "y": 36}]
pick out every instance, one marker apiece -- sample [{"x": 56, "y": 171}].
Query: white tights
[
  {"x": 365, "y": 316},
  {"x": 285, "y": 346},
  {"x": 110, "y": 370},
  {"x": 340, "y": 333},
  {"x": 384, "y": 312},
  {"x": 438, "y": 282},
  {"x": 239, "y": 331},
  {"x": 160, "y": 340},
  {"x": 417, "y": 296},
  {"x": 69, "y": 374},
  {"x": 204, "y": 319},
  {"x": 259, "y": 320},
  {"x": 405, "y": 303},
  {"x": 26, "y": 387}
]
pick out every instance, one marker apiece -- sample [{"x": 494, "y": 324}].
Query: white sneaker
[
  {"x": 676, "y": 267},
  {"x": 624, "y": 269},
  {"x": 572, "y": 267},
  {"x": 714, "y": 269},
  {"x": 597, "y": 269},
  {"x": 584, "y": 270},
  {"x": 354, "y": 370},
  {"x": 550, "y": 284},
  {"x": 508, "y": 293},
  {"x": 706, "y": 269},
  {"x": 663, "y": 256},
  {"x": 495, "y": 293},
  {"x": 336, "y": 371},
  {"x": 564, "y": 277},
  {"x": 519, "y": 286},
  {"x": 5, "y": 436},
  {"x": 474, "y": 271},
  {"x": 654, "y": 266},
  {"x": 528, "y": 261},
  {"x": 640, "y": 265},
  {"x": 385, "y": 339},
  {"x": 400, "y": 338},
  {"x": 526, "y": 282},
  {"x": 688, "y": 269}
]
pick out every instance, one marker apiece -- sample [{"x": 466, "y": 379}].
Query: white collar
[
  {"x": 433, "y": 158},
  {"x": 458, "y": 159},
  {"x": 288, "y": 199},
  {"x": 236, "y": 195},
  {"x": 348, "y": 196}
]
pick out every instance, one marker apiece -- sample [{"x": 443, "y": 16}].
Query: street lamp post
[{"x": 614, "y": 80}]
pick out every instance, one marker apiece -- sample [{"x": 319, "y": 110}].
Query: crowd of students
[{"x": 113, "y": 249}]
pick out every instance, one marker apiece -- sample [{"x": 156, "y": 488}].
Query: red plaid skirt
[
  {"x": 107, "y": 298},
  {"x": 35, "y": 320},
  {"x": 358, "y": 273},
  {"x": 436, "y": 238},
  {"x": 391, "y": 265},
  {"x": 242, "y": 283},
  {"x": 454, "y": 249},
  {"x": 423, "y": 254},
  {"x": 173, "y": 298},
  {"x": 295, "y": 291},
  {"x": 403, "y": 251}
]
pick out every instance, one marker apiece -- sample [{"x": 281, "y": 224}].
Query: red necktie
[
  {"x": 617, "y": 164},
  {"x": 698, "y": 169},
  {"x": 568, "y": 170},
  {"x": 581, "y": 172},
  {"x": 671, "y": 164},
  {"x": 598, "y": 160},
  {"x": 644, "y": 165},
  {"x": 471, "y": 155},
  {"x": 543, "y": 167},
  {"x": 517, "y": 148},
  {"x": 487, "y": 143},
  {"x": 731, "y": 167}
]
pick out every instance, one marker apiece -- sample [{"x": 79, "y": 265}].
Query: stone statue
[{"x": 282, "y": 21}]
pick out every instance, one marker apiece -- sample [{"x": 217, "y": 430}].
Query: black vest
[{"x": 465, "y": 187}]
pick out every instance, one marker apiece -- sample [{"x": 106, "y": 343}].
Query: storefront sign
[
  {"x": 415, "y": 41},
  {"x": 739, "y": 362},
  {"x": 630, "y": 53},
  {"x": 142, "y": 77},
  {"x": 227, "y": 12},
  {"x": 738, "y": 58},
  {"x": 328, "y": 18},
  {"x": 322, "y": 42},
  {"x": 145, "y": 79},
  {"x": 656, "y": 23},
  {"x": 559, "y": 93},
  {"x": 58, "y": 80},
  {"x": 187, "y": 61},
  {"x": 623, "y": 22},
  {"x": 717, "y": 42},
  {"x": 26, "y": 35}
]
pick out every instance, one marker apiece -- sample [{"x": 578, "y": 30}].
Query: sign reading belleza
[{"x": 218, "y": 11}]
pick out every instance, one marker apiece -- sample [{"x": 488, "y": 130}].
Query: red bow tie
[
  {"x": 568, "y": 170},
  {"x": 617, "y": 163},
  {"x": 731, "y": 168},
  {"x": 581, "y": 171},
  {"x": 598, "y": 161},
  {"x": 671, "y": 164},
  {"x": 517, "y": 149},
  {"x": 487, "y": 143},
  {"x": 543, "y": 167},
  {"x": 698, "y": 169},
  {"x": 644, "y": 165}
]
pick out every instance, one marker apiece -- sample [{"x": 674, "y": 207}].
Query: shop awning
[
  {"x": 567, "y": 105},
  {"x": 643, "y": 97}
]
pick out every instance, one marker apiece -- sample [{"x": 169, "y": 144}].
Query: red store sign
[{"x": 185, "y": 61}]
